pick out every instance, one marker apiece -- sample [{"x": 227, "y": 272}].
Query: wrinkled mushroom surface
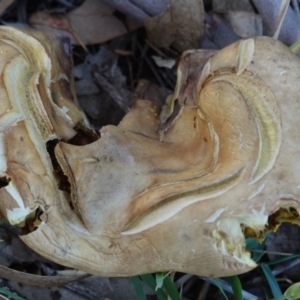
[{"x": 173, "y": 189}]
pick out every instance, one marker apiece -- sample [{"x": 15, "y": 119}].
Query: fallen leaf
[
  {"x": 181, "y": 25},
  {"x": 150, "y": 91},
  {"x": 218, "y": 33},
  {"x": 57, "y": 21},
  {"x": 94, "y": 23},
  {"x": 91, "y": 23},
  {"x": 94, "y": 100},
  {"x": 4, "y": 5},
  {"x": 269, "y": 10},
  {"x": 52, "y": 20},
  {"x": 225, "y": 6},
  {"x": 245, "y": 24},
  {"x": 90, "y": 288},
  {"x": 38, "y": 280}
]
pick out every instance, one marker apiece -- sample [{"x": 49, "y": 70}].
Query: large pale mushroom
[{"x": 177, "y": 189}]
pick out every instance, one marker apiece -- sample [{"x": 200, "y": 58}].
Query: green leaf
[
  {"x": 150, "y": 281},
  {"x": 137, "y": 286},
  {"x": 236, "y": 287},
  {"x": 293, "y": 292},
  {"x": 159, "y": 278},
  {"x": 276, "y": 291},
  {"x": 171, "y": 289}
]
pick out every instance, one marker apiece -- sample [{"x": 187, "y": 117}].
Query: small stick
[{"x": 110, "y": 89}]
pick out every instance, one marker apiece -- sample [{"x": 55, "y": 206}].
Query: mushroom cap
[{"x": 176, "y": 189}]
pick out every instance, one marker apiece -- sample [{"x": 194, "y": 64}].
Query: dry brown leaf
[
  {"x": 91, "y": 23},
  {"x": 218, "y": 33},
  {"x": 181, "y": 25},
  {"x": 52, "y": 20},
  {"x": 225, "y": 6},
  {"x": 4, "y": 5},
  {"x": 57, "y": 21},
  {"x": 96, "y": 101},
  {"x": 94, "y": 23},
  {"x": 245, "y": 24},
  {"x": 150, "y": 91},
  {"x": 90, "y": 288},
  {"x": 38, "y": 280}
]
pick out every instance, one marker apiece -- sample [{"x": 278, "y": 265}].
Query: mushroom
[{"x": 172, "y": 189}]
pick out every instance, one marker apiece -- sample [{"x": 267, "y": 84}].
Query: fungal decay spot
[
  {"x": 34, "y": 218},
  {"x": 282, "y": 215},
  {"x": 83, "y": 137},
  {"x": 32, "y": 221},
  {"x": 231, "y": 234},
  {"x": 61, "y": 179},
  {"x": 4, "y": 181}
]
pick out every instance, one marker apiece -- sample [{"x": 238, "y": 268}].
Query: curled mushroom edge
[{"x": 177, "y": 188}]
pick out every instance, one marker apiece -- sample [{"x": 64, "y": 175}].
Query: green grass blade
[
  {"x": 283, "y": 259},
  {"x": 276, "y": 291},
  {"x": 150, "y": 281},
  {"x": 217, "y": 283},
  {"x": 159, "y": 278},
  {"x": 236, "y": 287},
  {"x": 295, "y": 47},
  {"x": 11, "y": 295},
  {"x": 171, "y": 289},
  {"x": 138, "y": 288}
]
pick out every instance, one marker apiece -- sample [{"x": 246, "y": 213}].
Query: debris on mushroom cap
[{"x": 177, "y": 189}]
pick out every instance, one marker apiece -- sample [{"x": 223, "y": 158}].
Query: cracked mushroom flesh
[{"x": 172, "y": 189}]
